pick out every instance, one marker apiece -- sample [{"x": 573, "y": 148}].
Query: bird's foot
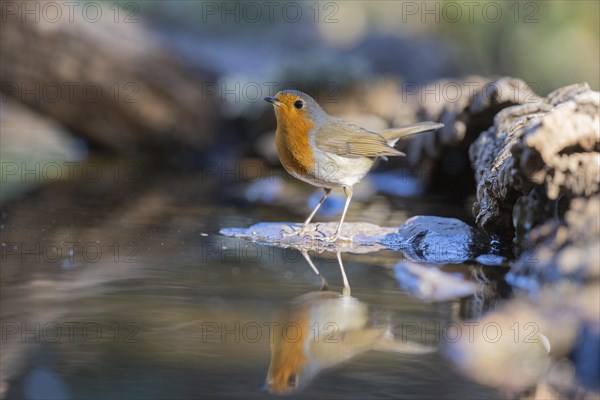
[
  {"x": 294, "y": 231},
  {"x": 299, "y": 232},
  {"x": 337, "y": 238}
]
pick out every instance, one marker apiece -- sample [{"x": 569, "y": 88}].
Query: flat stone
[
  {"x": 430, "y": 239},
  {"x": 365, "y": 237}
]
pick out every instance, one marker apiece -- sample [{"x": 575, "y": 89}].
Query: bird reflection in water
[{"x": 320, "y": 330}]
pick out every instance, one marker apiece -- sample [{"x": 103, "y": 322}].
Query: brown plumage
[{"x": 329, "y": 152}]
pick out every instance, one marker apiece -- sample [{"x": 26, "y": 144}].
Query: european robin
[
  {"x": 321, "y": 330},
  {"x": 329, "y": 152}
]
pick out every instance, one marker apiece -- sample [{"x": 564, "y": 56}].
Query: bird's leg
[
  {"x": 338, "y": 231},
  {"x": 324, "y": 285},
  {"x": 346, "y": 291},
  {"x": 312, "y": 214}
]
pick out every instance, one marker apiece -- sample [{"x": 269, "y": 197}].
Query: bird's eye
[
  {"x": 292, "y": 380},
  {"x": 299, "y": 104}
]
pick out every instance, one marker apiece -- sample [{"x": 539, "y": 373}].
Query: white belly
[{"x": 332, "y": 170}]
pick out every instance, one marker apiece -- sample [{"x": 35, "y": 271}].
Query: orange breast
[
  {"x": 287, "y": 348},
  {"x": 292, "y": 143}
]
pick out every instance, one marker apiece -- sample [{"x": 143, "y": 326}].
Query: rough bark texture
[
  {"x": 538, "y": 178},
  {"x": 110, "y": 82},
  {"x": 560, "y": 268},
  {"x": 544, "y": 151}
]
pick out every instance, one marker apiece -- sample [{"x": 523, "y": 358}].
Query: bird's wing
[
  {"x": 347, "y": 140},
  {"x": 393, "y": 134}
]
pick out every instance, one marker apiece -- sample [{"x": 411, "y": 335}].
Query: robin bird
[
  {"x": 329, "y": 152},
  {"x": 321, "y": 330}
]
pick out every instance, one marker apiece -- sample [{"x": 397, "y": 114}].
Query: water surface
[{"x": 115, "y": 289}]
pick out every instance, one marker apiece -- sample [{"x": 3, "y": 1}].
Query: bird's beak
[{"x": 273, "y": 101}]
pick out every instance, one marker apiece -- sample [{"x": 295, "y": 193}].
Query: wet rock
[
  {"x": 534, "y": 342},
  {"x": 538, "y": 181},
  {"x": 429, "y": 283},
  {"x": 366, "y": 238},
  {"x": 559, "y": 269},
  {"x": 437, "y": 240},
  {"x": 555, "y": 250},
  {"x": 422, "y": 238},
  {"x": 514, "y": 347},
  {"x": 552, "y": 146}
]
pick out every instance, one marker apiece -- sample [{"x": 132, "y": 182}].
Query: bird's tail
[{"x": 393, "y": 134}]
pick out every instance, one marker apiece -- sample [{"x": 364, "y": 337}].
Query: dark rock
[
  {"x": 555, "y": 250},
  {"x": 437, "y": 240}
]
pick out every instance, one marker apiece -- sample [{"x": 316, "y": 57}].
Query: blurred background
[
  {"x": 183, "y": 81},
  {"x": 132, "y": 131}
]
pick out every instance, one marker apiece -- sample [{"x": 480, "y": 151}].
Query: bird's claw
[
  {"x": 290, "y": 233},
  {"x": 302, "y": 232},
  {"x": 337, "y": 238},
  {"x": 317, "y": 235}
]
